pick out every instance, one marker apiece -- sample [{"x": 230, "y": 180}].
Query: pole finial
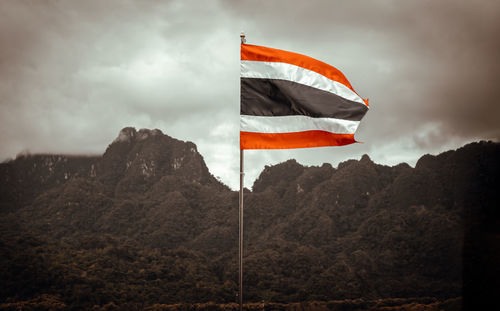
[{"x": 242, "y": 36}]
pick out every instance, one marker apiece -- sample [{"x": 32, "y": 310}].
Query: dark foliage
[{"x": 147, "y": 226}]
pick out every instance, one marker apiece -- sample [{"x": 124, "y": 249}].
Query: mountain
[{"x": 146, "y": 223}]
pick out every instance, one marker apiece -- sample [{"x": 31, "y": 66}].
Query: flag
[{"x": 289, "y": 100}]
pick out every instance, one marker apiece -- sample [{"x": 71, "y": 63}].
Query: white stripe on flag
[
  {"x": 291, "y": 124},
  {"x": 284, "y": 71}
]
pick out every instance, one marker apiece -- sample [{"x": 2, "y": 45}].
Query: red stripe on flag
[
  {"x": 307, "y": 139},
  {"x": 265, "y": 54}
]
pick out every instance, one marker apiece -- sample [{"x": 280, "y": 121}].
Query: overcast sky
[{"x": 73, "y": 73}]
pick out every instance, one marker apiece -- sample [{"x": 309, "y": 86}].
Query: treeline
[{"x": 146, "y": 227}]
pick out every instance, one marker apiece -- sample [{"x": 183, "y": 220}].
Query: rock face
[
  {"x": 137, "y": 160},
  {"x": 147, "y": 223}
]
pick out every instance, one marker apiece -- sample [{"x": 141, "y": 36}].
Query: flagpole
[{"x": 242, "y": 175}]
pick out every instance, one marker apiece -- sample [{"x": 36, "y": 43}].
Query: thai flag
[{"x": 289, "y": 100}]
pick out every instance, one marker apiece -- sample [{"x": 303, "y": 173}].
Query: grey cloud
[{"x": 72, "y": 73}]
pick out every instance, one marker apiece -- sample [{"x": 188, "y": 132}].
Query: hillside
[{"x": 146, "y": 223}]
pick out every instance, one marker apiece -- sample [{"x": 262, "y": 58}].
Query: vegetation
[{"x": 147, "y": 227}]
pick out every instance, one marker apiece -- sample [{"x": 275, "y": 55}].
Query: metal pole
[{"x": 242, "y": 174}]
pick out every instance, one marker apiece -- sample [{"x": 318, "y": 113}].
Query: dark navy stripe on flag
[{"x": 272, "y": 97}]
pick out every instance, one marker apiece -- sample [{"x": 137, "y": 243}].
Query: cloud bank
[{"x": 73, "y": 73}]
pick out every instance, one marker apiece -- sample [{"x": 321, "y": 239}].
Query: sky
[{"x": 73, "y": 73}]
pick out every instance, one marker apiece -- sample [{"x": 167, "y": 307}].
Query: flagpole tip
[{"x": 242, "y": 36}]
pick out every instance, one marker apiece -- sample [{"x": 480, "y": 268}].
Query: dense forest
[{"x": 146, "y": 226}]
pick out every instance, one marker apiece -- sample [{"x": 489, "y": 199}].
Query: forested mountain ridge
[{"x": 146, "y": 223}]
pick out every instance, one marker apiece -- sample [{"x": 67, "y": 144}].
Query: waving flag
[{"x": 290, "y": 100}]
